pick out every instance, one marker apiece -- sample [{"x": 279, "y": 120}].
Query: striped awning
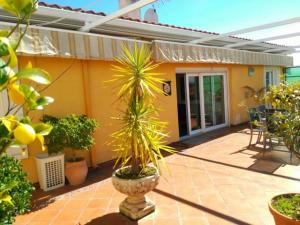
[
  {"x": 189, "y": 53},
  {"x": 42, "y": 41},
  {"x": 68, "y": 44}
]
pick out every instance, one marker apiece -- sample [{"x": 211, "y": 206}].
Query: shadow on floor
[
  {"x": 209, "y": 136},
  {"x": 41, "y": 199},
  {"x": 112, "y": 219},
  {"x": 257, "y": 170},
  {"x": 202, "y": 208},
  {"x": 278, "y": 154},
  {"x": 104, "y": 171}
]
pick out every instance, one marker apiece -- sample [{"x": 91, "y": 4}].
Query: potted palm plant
[
  {"x": 286, "y": 97},
  {"x": 71, "y": 132},
  {"x": 141, "y": 138}
]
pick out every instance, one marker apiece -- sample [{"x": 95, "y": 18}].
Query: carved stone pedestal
[{"x": 136, "y": 205}]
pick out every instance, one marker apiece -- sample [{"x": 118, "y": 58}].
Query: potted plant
[
  {"x": 73, "y": 132},
  {"x": 286, "y": 97},
  {"x": 140, "y": 139},
  {"x": 15, "y": 189},
  {"x": 285, "y": 209}
]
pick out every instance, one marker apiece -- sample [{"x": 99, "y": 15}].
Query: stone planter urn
[
  {"x": 279, "y": 218},
  {"x": 136, "y": 205}
]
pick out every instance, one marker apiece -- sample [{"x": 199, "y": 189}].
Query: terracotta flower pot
[
  {"x": 76, "y": 172},
  {"x": 136, "y": 205},
  {"x": 279, "y": 218}
]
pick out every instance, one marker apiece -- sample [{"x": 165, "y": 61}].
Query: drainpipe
[{"x": 88, "y": 105}]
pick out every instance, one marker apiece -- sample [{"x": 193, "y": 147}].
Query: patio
[{"x": 214, "y": 179}]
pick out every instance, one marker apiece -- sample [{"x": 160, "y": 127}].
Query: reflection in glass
[
  {"x": 181, "y": 104},
  {"x": 208, "y": 103},
  {"x": 194, "y": 95},
  {"x": 213, "y": 100},
  {"x": 219, "y": 100}
]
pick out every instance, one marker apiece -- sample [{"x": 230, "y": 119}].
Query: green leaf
[
  {"x": 19, "y": 8},
  {"x": 42, "y": 128},
  {"x": 26, "y": 119},
  {"x": 9, "y": 7},
  {"x": 10, "y": 122},
  {"x": 41, "y": 139},
  {"x": 4, "y": 196},
  {"x": 4, "y": 75},
  {"x": 6, "y": 49},
  {"x": 43, "y": 101},
  {"x": 4, "y": 33},
  {"x": 34, "y": 74}
]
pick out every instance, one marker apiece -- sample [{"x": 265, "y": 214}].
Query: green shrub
[
  {"x": 74, "y": 131},
  {"x": 11, "y": 174},
  {"x": 286, "y": 98}
]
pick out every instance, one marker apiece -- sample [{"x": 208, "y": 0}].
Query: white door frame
[
  {"x": 275, "y": 75},
  {"x": 202, "y": 106}
]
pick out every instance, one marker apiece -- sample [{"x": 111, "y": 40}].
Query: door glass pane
[
  {"x": 269, "y": 79},
  {"x": 208, "y": 101},
  {"x": 219, "y": 100},
  {"x": 181, "y": 105},
  {"x": 194, "y": 96}
]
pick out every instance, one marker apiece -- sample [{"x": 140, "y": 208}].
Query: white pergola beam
[
  {"x": 277, "y": 37},
  {"x": 278, "y": 49},
  {"x": 248, "y": 30},
  {"x": 117, "y": 14},
  {"x": 286, "y": 48}
]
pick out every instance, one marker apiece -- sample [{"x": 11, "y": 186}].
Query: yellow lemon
[
  {"x": 24, "y": 134},
  {"x": 15, "y": 94}
]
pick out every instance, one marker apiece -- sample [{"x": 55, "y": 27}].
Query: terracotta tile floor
[{"x": 215, "y": 180}]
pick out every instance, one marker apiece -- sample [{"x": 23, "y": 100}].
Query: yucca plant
[{"x": 140, "y": 141}]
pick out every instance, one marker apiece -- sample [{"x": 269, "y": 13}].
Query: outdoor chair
[
  {"x": 255, "y": 125},
  {"x": 261, "y": 109},
  {"x": 269, "y": 130}
]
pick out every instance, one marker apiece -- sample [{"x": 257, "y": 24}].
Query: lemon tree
[
  {"x": 21, "y": 96},
  {"x": 16, "y": 130}
]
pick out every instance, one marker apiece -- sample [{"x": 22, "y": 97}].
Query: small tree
[
  {"x": 286, "y": 97},
  {"x": 141, "y": 138},
  {"x": 72, "y": 131},
  {"x": 15, "y": 189}
]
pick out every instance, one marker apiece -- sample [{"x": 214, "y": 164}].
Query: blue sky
[{"x": 214, "y": 15}]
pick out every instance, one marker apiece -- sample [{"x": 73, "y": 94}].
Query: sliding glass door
[
  {"x": 213, "y": 91},
  {"x": 204, "y": 98}
]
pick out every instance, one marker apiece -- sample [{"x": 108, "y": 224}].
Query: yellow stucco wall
[
  {"x": 70, "y": 97},
  {"x": 238, "y": 78}
]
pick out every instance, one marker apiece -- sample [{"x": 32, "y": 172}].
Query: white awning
[
  {"x": 191, "y": 53},
  {"x": 44, "y": 41},
  {"x": 73, "y": 44}
]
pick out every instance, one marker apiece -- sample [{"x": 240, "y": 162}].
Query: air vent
[{"x": 51, "y": 171}]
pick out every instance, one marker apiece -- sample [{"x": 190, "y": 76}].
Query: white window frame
[{"x": 275, "y": 75}]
